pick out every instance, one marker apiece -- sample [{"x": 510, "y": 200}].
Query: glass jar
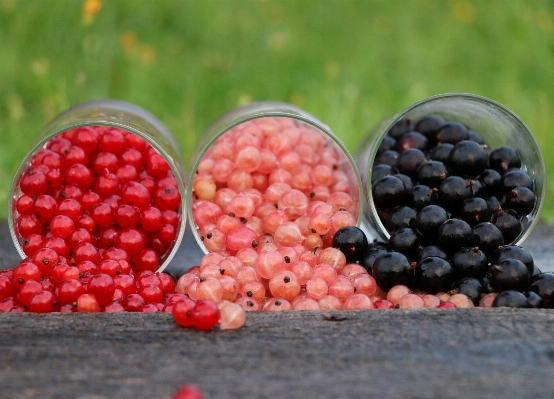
[
  {"x": 494, "y": 122},
  {"x": 118, "y": 115},
  {"x": 265, "y": 119}
]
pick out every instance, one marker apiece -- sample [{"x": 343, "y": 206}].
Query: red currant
[
  {"x": 42, "y": 302},
  {"x": 102, "y": 287},
  {"x": 205, "y": 315},
  {"x": 183, "y": 312}
]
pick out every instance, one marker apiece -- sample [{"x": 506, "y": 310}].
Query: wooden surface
[{"x": 410, "y": 353}]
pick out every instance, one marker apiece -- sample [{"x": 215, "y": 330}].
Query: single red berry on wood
[
  {"x": 205, "y": 315},
  {"x": 188, "y": 392}
]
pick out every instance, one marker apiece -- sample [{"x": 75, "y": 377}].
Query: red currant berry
[
  {"x": 34, "y": 183},
  {"x": 134, "y": 193},
  {"x": 79, "y": 236},
  {"x": 106, "y": 236},
  {"x": 156, "y": 165},
  {"x": 151, "y": 219},
  {"x": 131, "y": 156},
  {"x": 27, "y": 225},
  {"x": 86, "y": 267},
  {"x": 26, "y": 271},
  {"x": 106, "y": 184},
  {"x": 188, "y": 392},
  {"x": 45, "y": 208},
  {"x": 86, "y": 251},
  {"x": 70, "y": 208},
  {"x": 79, "y": 175},
  {"x": 103, "y": 215},
  {"x": 69, "y": 291},
  {"x": 25, "y": 205},
  {"x": 151, "y": 293},
  {"x": 72, "y": 273},
  {"x": 7, "y": 305},
  {"x": 133, "y": 303},
  {"x": 110, "y": 267},
  {"x": 87, "y": 138},
  {"x": 167, "y": 197},
  {"x": 42, "y": 302},
  {"x": 126, "y": 283},
  {"x": 114, "y": 201},
  {"x": 32, "y": 244},
  {"x": 7, "y": 288},
  {"x": 170, "y": 217},
  {"x": 59, "y": 245},
  {"x": 102, "y": 287},
  {"x": 182, "y": 312},
  {"x": 87, "y": 303},
  {"x": 54, "y": 177},
  {"x": 45, "y": 259},
  {"x": 61, "y": 226},
  {"x": 168, "y": 233},
  {"x": 205, "y": 315},
  {"x": 131, "y": 241},
  {"x": 73, "y": 155},
  {"x": 87, "y": 223},
  {"x": 58, "y": 272},
  {"x": 72, "y": 192},
  {"x": 148, "y": 259},
  {"x": 103, "y": 161},
  {"x": 158, "y": 245},
  {"x": 127, "y": 216},
  {"x": 112, "y": 141},
  {"x": 126, "y": 174},
  {"x": 167, "y": 283},
  {"x": 114, "y": 308},
  {"x": 90, "y": 198},
  {"x": 27, "y": 291}
]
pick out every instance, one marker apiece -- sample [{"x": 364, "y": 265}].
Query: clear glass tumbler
[
  {"x": 276, "y": 114},
  {"x": 494, "y": 122},
  {"x": 115, "y": 114}
]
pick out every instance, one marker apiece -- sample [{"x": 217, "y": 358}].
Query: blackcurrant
[
  {"x": 422, "y": 195},
  {"x": 475, "y": 210},
  {"x": 441, "y": 153},
  {"x": 488, "y": 238},
  {"x": 508, "y": 223},
  {"x": 432, "y": 173},
  {"x": 401, "y": 127},
  {"x": 399, "y": 217},
  {"x": 432, "y": 250},
  {"x": 543, "y": 285},
  {"x": 393, "y": 268},
  {"x": 510, "y": 299},
  {"x": 452, "y": 132},
  {"x": 513, "y": 179},
  {"x": 454, "y": 234},
  {"x": 510, "y": 274},
  {"x": 534, "y": 300},
  {"x": 389, "y": 157},
  {"x": 371, "y": 256},
  {"x": 434, "y": 274},
  {"x": 469, "y": 262},
  {"x": 453, "y": 191},
  {"x": 388, "y": 192},
  {"x": 490, "y": 180},
  {"x": 468, "y": 158},
  {"x": 521, "y": 200},
  {"x": 382, "y": 170},
  {"x": 429, "y": 126},
  {"x": 503, "y": 158},
  {"x": 407, "y": 241},
  {"x": 409, "y": 160},
  {"x": 514, "y": 252},
  {"x": 471, "y": 287},
  {"x": 352, "y": 242},
  {"x": 428, "y": 221},
  {"x": 412, "y": 140}
]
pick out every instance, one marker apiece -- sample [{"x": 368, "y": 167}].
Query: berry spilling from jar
[{"x": 270, "y": 183}]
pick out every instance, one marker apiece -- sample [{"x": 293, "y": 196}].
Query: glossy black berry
[
  {"x": 469, "y": 262},
  {"x": 409, "y": 160},
  {"x": 441, "y": 153},
  {"x": 401, "y": 127},
  {"x": 412, "y": 140},
  {"x": 493, "y": 202},
  {"x": 422, "y": 195},
  {"x": 510, "y": 274},
  {"x": 476, "y": 187},
  {"x": 432, "y": 173},
  {"x": 399, "y": 217},
  {"x": 474, "y": 136},
  {"x": 503, "y": 158},
  {"x": 490, "y": 180},
  {"x": 534, "y": 300},
  {"x": 393, "y": 268},
  {"x": 407, "y": 241},
  {"x": 468, "y": 158},
  {"x": 454, "y": 234},
  {"x": 428, "y": 221},
  {"x": 432, "y": 250},
  {"x": 521, "y": 199},
  {"x": 388, "y": 143},
  {"x": 514, "y": 252},
  {"x": 475, "y": 210},
  {"x": 408, "y": 183},
  {"x": 513, "y": 179},
  {"x": 388, "y": 192},
  {"x": 471, "y": 287},
  {"x": 386, "y": 157},
  {"x": 453, "y": 191},
  {"x": 488, "y": 238},
  {"x": 371, "y": 256},
  {"x": 453, "y": 133},
  {"x": 508, "y": 223},
  {"x": 433, "y": 274},
  {"x": 510, "y": 299},
  {"x": 382, "y": 170},
  {"x": 543, "y": 285},
  {"x": 429, "y": 126},
  {"x": 352, "y": 242}
]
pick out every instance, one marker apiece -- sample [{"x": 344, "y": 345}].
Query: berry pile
[
  {"x": 450, "y": 206},
  {"x": 269, "y": 183}
]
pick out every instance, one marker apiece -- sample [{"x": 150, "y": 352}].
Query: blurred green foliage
[{"x": 348, "y": 62}]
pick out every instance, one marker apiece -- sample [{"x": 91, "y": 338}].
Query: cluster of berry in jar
[
  {"x": 452, "y": 206},
  {"x": 269, "y": 183}
]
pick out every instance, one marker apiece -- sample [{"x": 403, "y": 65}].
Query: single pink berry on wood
[
  {"x": 232, "y": 316},
  {"x": 188, "y": 392}
]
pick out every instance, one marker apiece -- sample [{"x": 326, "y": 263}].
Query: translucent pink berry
[
  {"x": 330, "y": 302},
  {"x": 232, "y": 316},
  {"x": 431, "y": 301},
  {"x": 461, "y": 301},
  {"x": 230, "y": 265},
  {"x": 341, "y": 287},
  {"x": 230, "y": 287},
  {"x": 246, "y": 273},
  {"x": 223, "y": 196},
  {"x": 302, "y": 270},
  {"x": 397, "y": 292},
  {"x": 317, "y": 288},
  {"x": 307, "y": 304},
  {"x": 273, "y": 220},
  {"x": 248, "y": 159},
  {"x": 241, "y": 206},
  {"x": 204, "y": 187},
  {"x": 209, "y": 289},
  {"x": 240, "y": 238},
  {"x": 358, "y": 301},
  {"x": 215, "y": 240},
  {"x": 276, "y": 305},
  {"x": 211, "y": 257},
  {"x": 288, "y": 234},
  {"x": 269, "y": 263},
  {"x": 294, "y": 203},
  {"x": 411, "y": 301},
  {"x": 247, "y": 256},
  {"x": 254, "y": 290},
  {"x": 240, "y": 180},
  {"x": 248, "y": 304},
  {"x": 351, "y": 270},
  {"x": 206, "y": 213},
  {"x": 222, "y": 169},
  {"x": 333, "y": 257},
  {"x": 364, "y": 284},
  {"x": 324, "y": 271},
  {"x": 284, "y": 285},
  {"x": 487, "y": 300},
  {"x": 276, "y": 191}
]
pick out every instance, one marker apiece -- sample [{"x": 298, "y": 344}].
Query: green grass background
[{"x": 348, "y": 62}]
